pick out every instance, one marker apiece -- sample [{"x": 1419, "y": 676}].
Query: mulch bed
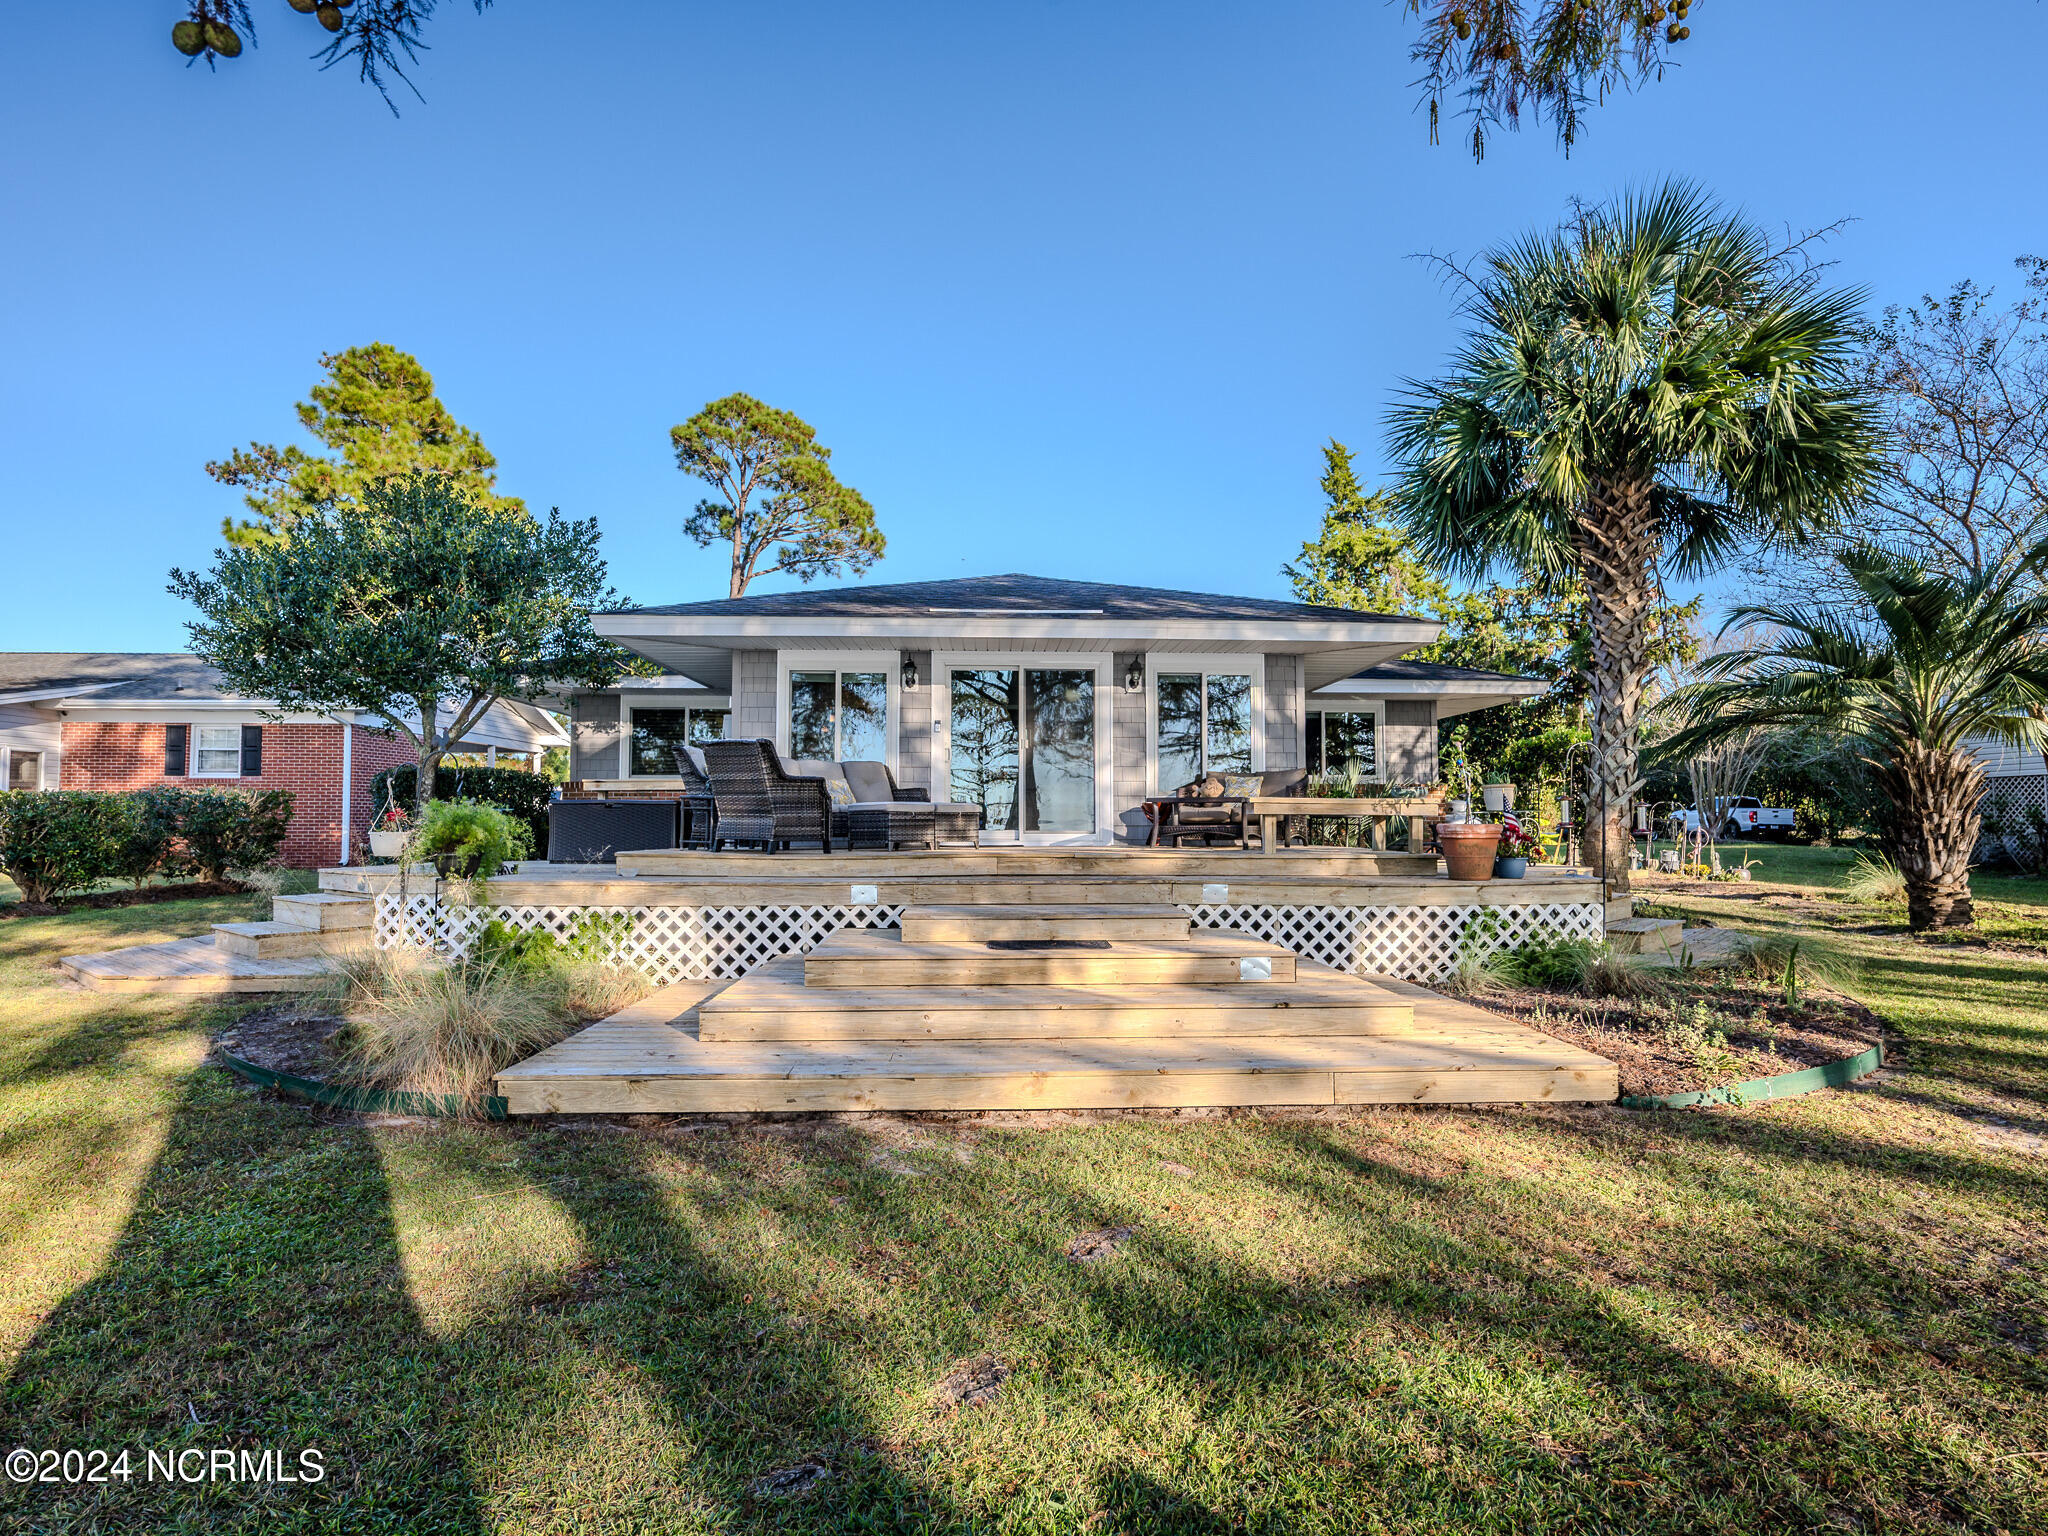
[
  {"x": 1654, "y": 1051},
  {"x": 149, "y": 895},
  {"x": 295, "y": 1036}
]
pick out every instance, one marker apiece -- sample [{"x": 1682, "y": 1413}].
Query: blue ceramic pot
[{"x": 1510, "y": 869}]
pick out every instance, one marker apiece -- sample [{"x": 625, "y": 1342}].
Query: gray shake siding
[
  {"x": 914, "y": 729},
  {"x": 1411, "y": 740},
  {"x": 594, "y": 737},
  {"x": 753, "y": 694},
  {"x": 1127, "y": 750},
  {"x": 1283, "y": 712}
]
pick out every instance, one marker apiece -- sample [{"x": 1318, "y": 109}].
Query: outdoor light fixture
[
  {"x": 909, "y": 674},
  {"x": 1134, "y": 677}
]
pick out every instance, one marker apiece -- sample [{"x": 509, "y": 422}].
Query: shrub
[
  {"x": 228, "y": 829},
  {"x": 55, "y": 842},
  {"x": 524, "y": 795},
  {"x": 474, "y": 833},
  {"x": 578, "y": 967},
  {"x": 1580, "y": 965},
  {"x": 142, "y": 833}
]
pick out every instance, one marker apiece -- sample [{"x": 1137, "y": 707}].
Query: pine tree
[{"x": 377, "y": 409}]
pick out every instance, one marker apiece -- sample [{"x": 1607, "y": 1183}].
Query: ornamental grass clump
[
  {"x": 423, "y": 1024},
  {"x": 444, "y": 1030},
  {"x": 1875, "y": 878}
]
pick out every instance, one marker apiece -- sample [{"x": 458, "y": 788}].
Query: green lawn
[{"x": 1823, "y": 1314}]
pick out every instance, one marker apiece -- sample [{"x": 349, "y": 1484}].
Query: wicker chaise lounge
[{"x": 884, "y": 814}]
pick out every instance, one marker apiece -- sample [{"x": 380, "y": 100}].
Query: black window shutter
[
  {"x": 252, "y": 751},
  {"x": 174, "y": 751}
]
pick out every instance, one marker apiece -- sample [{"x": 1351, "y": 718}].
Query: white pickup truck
[{"x": 1743, "y": 816}]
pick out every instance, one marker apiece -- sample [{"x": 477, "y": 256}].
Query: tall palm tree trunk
[
  {"x": 1615, "y": 540},
  {"x": 1929, "y": 824}
]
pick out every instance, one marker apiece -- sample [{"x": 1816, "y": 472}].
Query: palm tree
[
  {"x": 1643, "y": 389},
  {"x": 1935, "y": 660}
]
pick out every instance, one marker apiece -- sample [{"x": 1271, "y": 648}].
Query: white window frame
[
  {"x": 888, "y": 663},
  {"x": 626, "y": 734},
  {"x": 1377, "y": 708},
  {"x": 1107, "y": 681},
  {"x": 7, "y": 766},
  {"x": 198, "y": 749},
  {"x": 1157, "y": 662}
]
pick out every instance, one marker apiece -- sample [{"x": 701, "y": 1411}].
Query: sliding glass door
[{"x": 1024, "y": 746}]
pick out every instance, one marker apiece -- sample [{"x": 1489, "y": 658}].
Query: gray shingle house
[{"x": 1058, "y": 705}]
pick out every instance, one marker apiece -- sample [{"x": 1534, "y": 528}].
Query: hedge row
[
  {"x": 54, "y": 842},
  {"x": 525, "y": 795}
]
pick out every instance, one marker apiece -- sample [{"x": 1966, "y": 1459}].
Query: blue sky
[{"x": 1069, "y": 289}]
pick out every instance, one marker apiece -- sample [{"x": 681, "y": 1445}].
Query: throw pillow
[
  {"x": 1245, "y": 785},
  {"x": 838, "y": 791}
]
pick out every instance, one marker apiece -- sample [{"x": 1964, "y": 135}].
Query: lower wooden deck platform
[
  {"x": 650, "y": 1059},
  {"x": 192, "y": 965}
]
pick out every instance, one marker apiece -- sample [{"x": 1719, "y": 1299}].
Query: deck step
[
  {"x": 864, "y": 958},
  {"x": 650, "y": 1059},
  {"x": 1124, "y": 921},
  {"x": 773, "y": 1003},
  {"x": 1645, "y": 935},
  {"x": 275, "y": 940},
  {"x": 191, "y": 965},
  {"x": 327, "y": 911}
]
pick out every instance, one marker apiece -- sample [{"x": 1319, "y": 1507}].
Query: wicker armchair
[
  {"x": 699, "y": 828},
  {"x": 759, "y": 801}
]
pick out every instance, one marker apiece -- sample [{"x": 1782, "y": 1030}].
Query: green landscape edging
[
  {"x": 1786, "y": 1085},
  {"x": 369, "y": 1101}
]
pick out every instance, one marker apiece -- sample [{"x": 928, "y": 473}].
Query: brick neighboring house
[{"x": 129, "y": 720}]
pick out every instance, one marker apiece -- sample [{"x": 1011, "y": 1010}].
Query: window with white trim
[
  {"x": 838, "y": 714},
  {"x": 25, "y": 770},
  {"x": 655, "y": 736},
  {"x": 1344, "y": 741},
  {"x": 220, "y": 752},
  {"x": 1204, "y": 720}
]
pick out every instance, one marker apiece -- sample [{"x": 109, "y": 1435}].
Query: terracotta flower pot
[{"x": 1469, "y": 848}]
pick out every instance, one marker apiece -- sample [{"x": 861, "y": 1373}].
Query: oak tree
[{"x": 424, "y": 606}]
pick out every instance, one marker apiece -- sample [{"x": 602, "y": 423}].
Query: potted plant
[
  {"x": 1497, "y": 797},
  {"x": 1517, "y": 847},
  {"x": 467, "y": 839},
  {"x": 1469, "y": 847},
  {"x": 388, "y": 835}
]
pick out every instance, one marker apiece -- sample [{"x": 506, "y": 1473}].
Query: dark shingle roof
[
  {"x": 984, "y": 596},
  {"x": 109, "y": 674}
]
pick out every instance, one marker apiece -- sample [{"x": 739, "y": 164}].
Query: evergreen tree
[
  {"x": 778, "y": 505},
  {"x": 377, "y": 409}
]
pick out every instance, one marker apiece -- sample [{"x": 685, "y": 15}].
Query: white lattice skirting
[{"x": 689, "y": 943}]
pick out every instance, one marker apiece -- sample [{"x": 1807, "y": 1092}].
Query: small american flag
[{"x": 1509, "y": 824}]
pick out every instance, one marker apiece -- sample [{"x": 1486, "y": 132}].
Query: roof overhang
[
  {"x": 1454, "y": 696},
  {"x": 701, "y": 646},
  {"x": 51, "y": 696}
]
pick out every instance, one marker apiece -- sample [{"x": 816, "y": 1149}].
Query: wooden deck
[
  {"x": 650, "y": 1058},
  {"x": 191, "y": 965},
  {"x": 1063, "y": 1019},
  {"x": 1013, "y": 877}
]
